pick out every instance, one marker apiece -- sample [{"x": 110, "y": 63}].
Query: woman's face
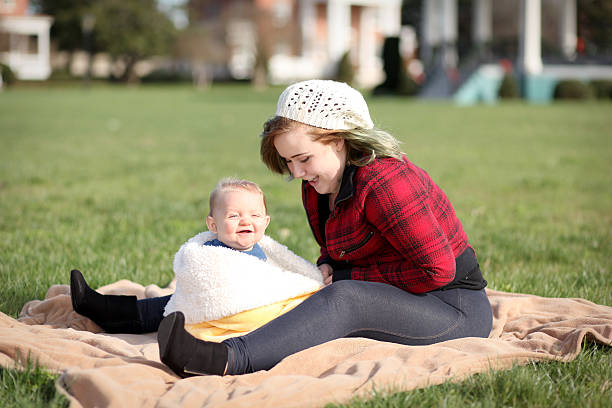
[{"x": 320, "y": 164}]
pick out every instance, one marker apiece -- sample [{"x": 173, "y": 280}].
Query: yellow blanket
[{"x": 243, "y": 322}]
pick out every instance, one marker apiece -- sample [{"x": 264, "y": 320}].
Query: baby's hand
[{"x": 327, "y": 272}]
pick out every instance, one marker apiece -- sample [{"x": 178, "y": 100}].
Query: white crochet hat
[{"x": 324, "y": 104}]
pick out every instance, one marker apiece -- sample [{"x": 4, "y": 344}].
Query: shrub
[
  {"x": 407, "y": 86},
  {"x": 602, "y": 89},
  {"x": 8, "y": 77},
  {"x": 572, "y": 89},
  {"x": 345, "y": 71},
  {"x": 164, "y": 75},
  {"x": 397, "y": 81},
  {"x": 62, "y": 75},
  {"x": 508, "y": 87}
]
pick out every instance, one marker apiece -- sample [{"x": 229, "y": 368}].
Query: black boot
[
  {"x": 185, "y": 354},
  {"x": 115, "y": 314}
]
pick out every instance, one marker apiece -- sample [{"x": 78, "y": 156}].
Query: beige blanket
[{"x": 124, "y": 370}]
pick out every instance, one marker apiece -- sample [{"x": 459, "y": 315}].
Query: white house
[{"x": 24, "y": 40}]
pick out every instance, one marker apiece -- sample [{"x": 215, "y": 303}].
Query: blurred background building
[
  {"x": 460, "y": 49},
  {"x": 24, "y": 40},
  {"x": 301, "y": 39},
  {"x": 468, "y": 47}
]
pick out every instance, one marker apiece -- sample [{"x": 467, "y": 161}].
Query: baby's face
[{"x": 239, "y": 219}]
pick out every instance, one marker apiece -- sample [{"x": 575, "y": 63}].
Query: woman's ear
[
  {"x": 338, "y": 144},
  {"x": 211, "y": 224}
]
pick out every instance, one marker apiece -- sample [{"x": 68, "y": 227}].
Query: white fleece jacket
[{"x": 215, "y": 282}]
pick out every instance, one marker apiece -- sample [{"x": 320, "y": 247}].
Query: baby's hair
[{"x": 234, "y": 184}]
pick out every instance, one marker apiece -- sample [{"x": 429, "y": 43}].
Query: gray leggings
[{"x": 351, "y": 308}]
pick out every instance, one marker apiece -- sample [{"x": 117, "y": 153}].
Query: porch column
[
  {"x": 449, "y": 33},
  {"x": 308, "y": 20},
  {"x": 482, "y": 24},
  {"x": 430, "y": 29},
  {"x": 44, "y": 59},
  {"x": 390, "y": 16},
  {"x": 530, "y": 38},
  {"x": 369, "y": 73},
  {"x": 567, "y": 29},
  {"x": 367, "y": 40},
  {"x": 338, "y": 28}
]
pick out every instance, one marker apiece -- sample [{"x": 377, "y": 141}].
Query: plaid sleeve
[
  {"x": 398, "y": 204},
  {"x": 324, "y": 258}
]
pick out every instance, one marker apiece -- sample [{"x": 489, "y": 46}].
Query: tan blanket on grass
[{"x": 124, "y": 370}]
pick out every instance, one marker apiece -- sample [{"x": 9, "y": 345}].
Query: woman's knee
[
  {"x": 350, "y": 289},
  {"x": 342, "y": 295},
  {"x": 352, "y": 296}
]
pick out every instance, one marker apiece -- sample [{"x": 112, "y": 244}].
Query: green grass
[
  {"x": 32, "y": 386},
  {"x": 113, "y": 180}
]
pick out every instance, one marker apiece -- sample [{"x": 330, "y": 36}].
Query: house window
[
  {"x": 22, "y": 44},
  {"x": 32, "y": 46},
  {"x": 5, "y": 41}
]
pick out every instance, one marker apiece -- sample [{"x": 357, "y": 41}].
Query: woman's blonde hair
[{"x": 363, "y": 145}]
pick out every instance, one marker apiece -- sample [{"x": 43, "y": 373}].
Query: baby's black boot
[{"x": 113, "y": 313}]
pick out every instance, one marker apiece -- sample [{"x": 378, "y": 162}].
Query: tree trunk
[
  {"x": 129, "y": 75},
  {"x": 260, "y": 70},
  {"x": 200, "y": 76}
]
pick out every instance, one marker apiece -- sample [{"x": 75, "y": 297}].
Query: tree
[
  {"x": 129, "y": 30},
  {"x": 71, "y": 29},
  {"x": 132, "y": 30},
  {"x": 67, "y": 28},
  {"x": 203, "y": 46}
]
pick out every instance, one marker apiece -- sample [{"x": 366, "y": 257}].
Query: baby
[
  {"x": 220, "y": 288},
  {"x": 229, "y": 280},
  {"x": 238, "y": 215}
]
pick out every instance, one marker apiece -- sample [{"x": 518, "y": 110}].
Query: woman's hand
[{"x": 327, "y": 272}]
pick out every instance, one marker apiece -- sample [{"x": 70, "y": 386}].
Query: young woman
[{"x": 399, "y": 260}]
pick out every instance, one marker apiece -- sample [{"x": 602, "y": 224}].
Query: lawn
[{"x": 113, "y": 180}]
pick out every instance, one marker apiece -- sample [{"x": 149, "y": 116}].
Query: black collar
[{"x": 347, "y": 188}]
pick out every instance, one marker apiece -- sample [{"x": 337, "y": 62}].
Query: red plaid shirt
[{"x": 391, "y": 223}]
